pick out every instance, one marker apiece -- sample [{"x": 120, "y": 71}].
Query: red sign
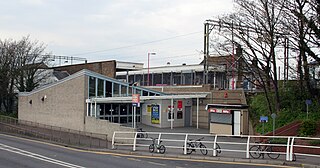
[
  {"x": 135, "y": 98},
  {"x": 179, "y": 104}
]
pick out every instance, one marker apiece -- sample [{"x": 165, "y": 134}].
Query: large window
[
  {"x": 100, "y": 87},
  {"x": 108, "y": 89},
  {"x": 116, "y": 90},
  {"x": 92, "y": 86},
  {"x": 123, "y": 90},
  {"x": 221, "y": 118}
]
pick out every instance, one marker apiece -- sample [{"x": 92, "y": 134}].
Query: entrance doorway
[{"x": 187, "y": 118}]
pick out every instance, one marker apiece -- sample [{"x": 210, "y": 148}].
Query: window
[
  {"x": 221, "y": 118},
  {"x": 123, "y": 109},
  {"x": 123, "y": 90},
  {"x": 116, "y": 90},
  {"x": 179, "y": 114},
  {"x": 100, "y": 87},
  {"x": 108, "y": 89},
  {"x": 92, "y": 86}
]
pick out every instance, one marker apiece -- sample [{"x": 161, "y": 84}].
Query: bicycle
[
  {"x": 141, "y": 134},
  {"x": 257, "y": 151},
  {"x": 161, "y": 148},
  {"x": 193, "y": 144}
]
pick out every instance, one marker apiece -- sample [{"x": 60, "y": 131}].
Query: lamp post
[{"x": 152, "y": 53}]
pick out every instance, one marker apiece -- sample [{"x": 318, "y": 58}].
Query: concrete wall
[
  {"x": 105, "y": 127},
  {"x": 64, "y": 105}
]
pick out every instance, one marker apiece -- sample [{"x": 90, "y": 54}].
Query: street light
[{"x": 152, "y": 53}]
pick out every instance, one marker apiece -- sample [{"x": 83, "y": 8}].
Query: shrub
[{"x": 308, "y": 128}]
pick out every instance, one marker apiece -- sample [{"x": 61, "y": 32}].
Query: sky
[{"x": 123, "y": 30}]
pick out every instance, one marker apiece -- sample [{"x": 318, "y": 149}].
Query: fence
[
  {"x": 285, "y": 146},
  {"x": 53, "y": 133}
]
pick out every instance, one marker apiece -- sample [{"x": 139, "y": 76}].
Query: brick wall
[{"x": 107, "y": 68}]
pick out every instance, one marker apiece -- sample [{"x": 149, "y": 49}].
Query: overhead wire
[{"x": 134, "y": 45}]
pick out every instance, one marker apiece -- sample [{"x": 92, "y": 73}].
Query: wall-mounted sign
[
  {"x": 136, "y": 100},
  {"x": 214, "y": 110},
  {"x": 179, "y": 104},
  {"x": 155, "y": 114}
]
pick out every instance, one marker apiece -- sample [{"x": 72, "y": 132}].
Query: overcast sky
[{"x": 124, "y": 30}]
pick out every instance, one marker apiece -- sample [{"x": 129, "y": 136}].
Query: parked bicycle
[
  {"x": 158, "y": 146},
  {"x": 192, "y": 145},
  {"x": 257, "y": 151},
  {"x": 141, "y": 133}
]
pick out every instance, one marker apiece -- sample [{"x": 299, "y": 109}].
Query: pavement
[{"x": 226, "y": 156}]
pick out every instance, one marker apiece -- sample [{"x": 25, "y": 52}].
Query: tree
[
  {"x": 302, "y": 23},
  {"x": 256, "y": 26},
  {"x": 20, "y": 69}
]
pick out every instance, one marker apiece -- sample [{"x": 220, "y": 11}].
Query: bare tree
[
  {"x": 20, "y": 69},
  {"x": 256, "y": 27},
  {"x": 302, "y": 22}
]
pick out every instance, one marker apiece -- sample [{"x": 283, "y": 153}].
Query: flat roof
[
  {"x": 128, "y": 99},
  {"x": 234, "y": 106}
]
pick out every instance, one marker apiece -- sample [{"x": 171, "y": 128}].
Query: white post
[
  {"x": 215, "y": 146},
  {"x": 87, "y": 108},
  {"x": 214, "y": 80},
  {"x": 159, "y": 140},
  {"x": 288, "y": 150},
  {"x": 291, "y": 150},
  {"x": 248, "y": 148},
  {"x": 134, "y": 117},
  {"x": 91, "y": 108},
  {"x": 197, "y": 112},
  {"x": 95, "y": 109},
  {"x": 172, "y": 114},
  {"x": 185, "y": 145},
  {"x": 113, "y": 138},
  {"x": 135, "y": 141}
]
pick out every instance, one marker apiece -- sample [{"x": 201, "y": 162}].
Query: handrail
[{"x": 181, "y": 142}]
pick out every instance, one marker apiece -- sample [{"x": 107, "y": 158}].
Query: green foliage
[
  {"x": 315, "y": 142},
  {"x": 14, "y": 115},
  {"x": 293, "y": 107},
  {"x": 308, "y": 128},
  {"x": 279, "y": 141}
]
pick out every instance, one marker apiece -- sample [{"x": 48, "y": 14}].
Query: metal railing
[
  {"x": 288, "y": 147},
  {"x": 52, "y": 133}
]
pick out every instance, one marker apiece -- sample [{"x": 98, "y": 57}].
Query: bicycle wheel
[
  {"x": 151, "y": 148},
  {"x": 203, "y": 149},
  {"x": 255, "y": 152},
  {"x": 140, "y": 135},
  {"x": 162, "y": 149},
  {"x": 218, "y": 149},
  {"x": 294, "y": 157},
  {"x": 271, "y": 154},
  {"x": 189, "y": 148}
]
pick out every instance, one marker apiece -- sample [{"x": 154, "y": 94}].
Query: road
[{"x": 18, "y": 152}]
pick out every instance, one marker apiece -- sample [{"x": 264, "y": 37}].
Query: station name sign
[{"x": 214, "y": 110}]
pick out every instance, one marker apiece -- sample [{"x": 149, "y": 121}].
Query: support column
[
  {"x": 172, "y": 114},
  {"x": 197, "y": 112}
]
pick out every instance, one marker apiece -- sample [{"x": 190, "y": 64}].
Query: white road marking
[
  {"x": 37, "y": 156},
  {"x": 155, "y": 163}
]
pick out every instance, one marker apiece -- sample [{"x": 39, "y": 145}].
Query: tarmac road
[{"x": 19, "y": 152}]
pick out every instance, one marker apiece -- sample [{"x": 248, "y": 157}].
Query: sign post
[
  {"x": 135, "y": 103},
  {"x": 308, "y": 102},
  {"x": 273, "y": 116},
  {"x": 263, "y": 119}
]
